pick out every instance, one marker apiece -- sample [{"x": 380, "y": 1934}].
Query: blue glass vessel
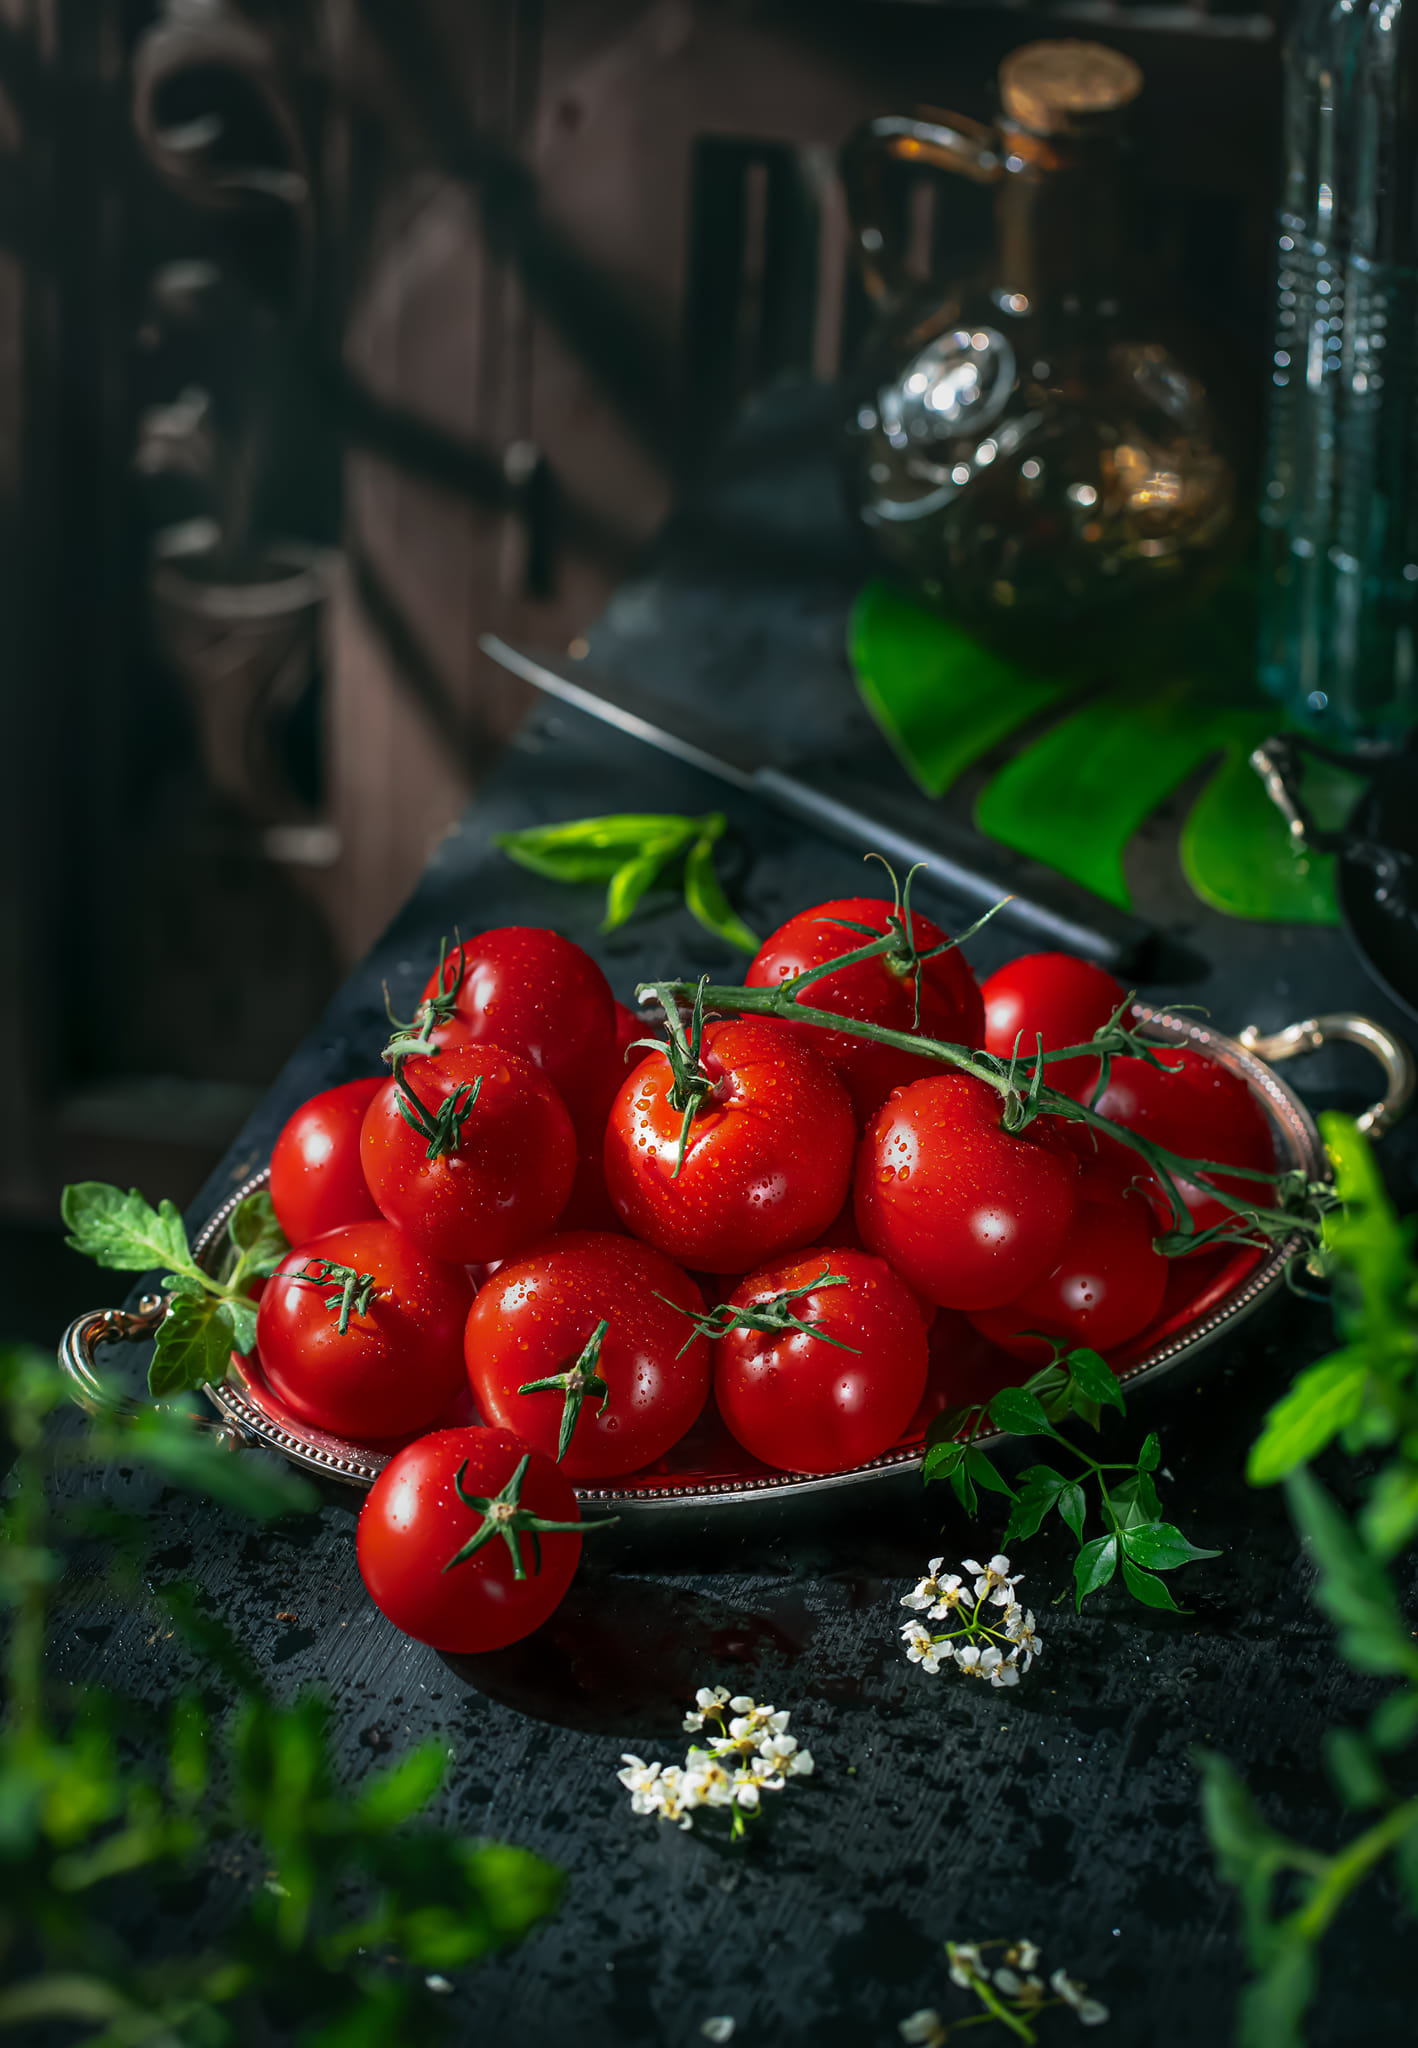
[{"x": 1339, "y": 502}]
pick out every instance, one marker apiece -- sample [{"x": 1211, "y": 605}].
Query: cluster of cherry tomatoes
[{"x": 537, "y": 1250}]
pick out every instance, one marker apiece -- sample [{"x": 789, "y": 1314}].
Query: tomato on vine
[
  {"x": 935, "y": 998},
  {"x": 968, "y": 1213},
  {"x": 1201, "y": 1111},
  {"x": 360, "y": 1333},
  {"x": 471, "y": 1152},
  {"x": 733, "y": 1148},
  {"x": 587, "y": 1349},
  {"x": 468, "y": 1539},
  {"x": 1056, "y": 997},
  {"x": 819, "y": 1360}
]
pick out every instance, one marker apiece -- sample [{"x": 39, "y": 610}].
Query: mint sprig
[
  {"x": 209, "y": 1315},
  {"x": 630, "y": 851}
]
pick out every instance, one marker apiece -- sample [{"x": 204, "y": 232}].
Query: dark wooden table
[{"x": 1066, "y": 1810}]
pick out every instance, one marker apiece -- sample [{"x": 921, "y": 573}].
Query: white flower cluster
[
  {"x": 750, "y": 1754},
  {"x": 1014, "y": 1978},
  {"x": 982, "y": 1644}
]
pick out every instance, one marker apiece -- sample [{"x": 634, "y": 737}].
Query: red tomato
[
  {"x": 536, "y": 994},
  {"x": 1055, "y": 996},
  {"x": 874, "y": 992},
  {"x": 964, "y": 1370},
  {"x": 507, "y": 1173},
  {"x": 768, "y": 1159},
  {"x": 967, "y": 1212},
  {"x": 398, "y": 1365},
  {"x": 532, "y": 1321},
  {"x": 1107, "y": 1285},
  {"x": 317, "y": 1182},
  {"x": 1202, "y": 1112},
  {"x": 842, "y": 1234},
  {"x": 801, "y": 1401},
  {"x": 415, "y": 1520}
]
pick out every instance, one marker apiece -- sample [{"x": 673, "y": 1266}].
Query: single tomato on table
[
  {"x": 968, "y": 1213},
  {"x": 768, "y": 1157},
  {"x": 879, "y": 991},
  {"x": 437, "y": 1498},
  {"x": 830, "y": 1365},
  {"x": 471, "y": 1152},
  {"x": 1056, "y": 997},
  {"x": 396, "y": 1365},
  {"x": 536, "y": 994},
  {"x": 317, "y": 1181},
  {"x": 609, "y": 1323}
]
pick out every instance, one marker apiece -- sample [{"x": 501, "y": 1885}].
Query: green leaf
[
  {"x": 963, "y": 1487},
  {"x": 1273, "y": 2007},
  {"x": 561, "y": 864},
  {"x": 1150, "y": 1456},
  {"x": 1094, "y": 1379},
  {"x": 1161, "y": 1546},
  {"x": 398, "y": 1794},
  {"x": 1405, "y": 1858},
  {"x": 628, "y": 885},
  {"x": 122, "y": 1231},
  {"x": 1073, "y": 1508},
  {"x": 941, "y": 1460},
  {"x": 168, "y": 1441},
  {"x": 257, "y": 1235},
  {"x": 188, "y": 1750},
  {"x": 983, "y": 1473},
  {"x": 516, "y": 1888},
  {"x": 1394, "y": 1721},
  {"x": 1094, "y": 1566},
  {"x": 1323, "y": 1400},
  {"x": 1352, "y": 1589},
  {"x": 951, "y": 1422},
  {"x": 194, "y": 1345},
  {"x": 1152, "y": 1592},
  {"x": 1039, "y": 1488},
  {"x": 706, "y": 899},
  {"x": 1389, "y": 1518},
  {"x": 1240, "y": 1834},
  {"x": 1354, "y": 1769},
  {"x": 1017, "y": 1411},
  {"x": 243, "y": 1323}
]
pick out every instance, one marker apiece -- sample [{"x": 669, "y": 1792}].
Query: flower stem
[{"x": 1346, "y": 1870}]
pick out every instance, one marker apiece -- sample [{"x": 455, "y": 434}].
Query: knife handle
[{"x": 1058, "y": 914}]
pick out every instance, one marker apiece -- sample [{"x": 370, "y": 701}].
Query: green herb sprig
[
  {"x": 209, "y": 1315},
  {"x": 631, "y": 851},
  {"x": 1134, "y": 1536},
  {"x": 1364, "y": 1396}
]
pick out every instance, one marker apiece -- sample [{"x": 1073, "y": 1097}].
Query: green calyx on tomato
[
  {"x": 691, "y": 1082},
  {"x": 444, "y": 1128},
  {"x": 353, "y": 1291},
  {"x": 580, "y": 1382},
  {"x": 502, "y": 1515},
  {"x": 903, "y": 957},
  {"x": 414, "y": 1040},
  {"x": 772, "y": 1316}
]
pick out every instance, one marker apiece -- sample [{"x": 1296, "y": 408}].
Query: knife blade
[{"x": 895, "y": 821}]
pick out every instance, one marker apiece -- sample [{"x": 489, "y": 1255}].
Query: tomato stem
[
  {"x": 504, "y": 1516},
  {"x": 771, "y": 1316},
  {"x": 443, "y": 1127},
  {"x": 354, "y": 1292},
  {"x": 414, "y": 1040},
  {"x": 580, "y": 1382}
]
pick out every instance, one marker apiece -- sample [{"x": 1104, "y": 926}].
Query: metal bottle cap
[{"x": 1061, "y": 88}]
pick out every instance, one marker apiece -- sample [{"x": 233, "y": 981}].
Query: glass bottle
[
  {"x": 1026, "y": 451},
  {"x": 1339, "y": 499}
]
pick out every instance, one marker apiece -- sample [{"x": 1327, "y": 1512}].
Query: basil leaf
[
  {"x": 1094, "y": 1566},
  {"x": 984, "y": 1474},
  {"x": 1039, "y": 1488},
  {"x": 706, "y": 899},
  {"x": 1016, "y": 1411},
  {"x": 122, "y": 1231},
  {"x": 1150, "y": 1456},
  {"x": 257, "y": 1235},
  {"x": 1152, "y": 1592},
  {"x": 1094, "y": 1379},
  {"x": 194, "y": 1345},
  {"x": 1323, "y": 1400},
  {"x": 1162, "y": 1546}
]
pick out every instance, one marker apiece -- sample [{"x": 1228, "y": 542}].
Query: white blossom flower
[
  {"x": 677, "y": 1794},
  {"x": 1019, "y": 1627},
  {"x": 719, "y": 2028},
  {"x": 754, "y": 1777},
  {"x": 992, "y": 1580},
  {"x": 707, "y": 1779},
  {"x": 923, "y": 1649},
  {"x": 923, "y": 2029},
  {"x": 801, "y": 1766},
  {"x": 965, "y": 1964},
  {"x": 641, "y": 1781},
  {"x": 1023, "y": 1955},
  {"x": 708, "y": 1700},
  {"x": 952, "y": 1593},
  {"x": 1008, "y": 1981},
  {"x": 967, "y": 1656},
  {"x": 928, "y": 1589},
  {"x": 1089, "y": 2011}
]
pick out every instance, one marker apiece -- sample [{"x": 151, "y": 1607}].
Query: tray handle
[
  {"x": 121, "y": 1325},
  {"x": 1349, "y": 1028}
]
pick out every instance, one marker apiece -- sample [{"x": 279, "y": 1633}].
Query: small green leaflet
[
  {"x": 257, "y": 1235},
  {"x": 122, "y": 1231},
  {"x": 194, "y": 1345},
  {"x": 630, "y": 852},
  {"x": 1324, "y": 1399}
]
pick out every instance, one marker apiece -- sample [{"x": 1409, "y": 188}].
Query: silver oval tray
[{"x": 709, "y": 1471}]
